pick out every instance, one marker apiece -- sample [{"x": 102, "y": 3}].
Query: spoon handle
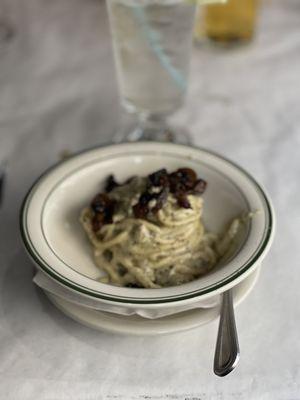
[{"x": 227, "y": 351}]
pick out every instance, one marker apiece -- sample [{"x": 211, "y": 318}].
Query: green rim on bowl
[{"x": 44, "y": 265}]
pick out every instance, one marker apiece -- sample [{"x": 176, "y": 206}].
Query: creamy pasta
[{"x": 167, "y": 247}]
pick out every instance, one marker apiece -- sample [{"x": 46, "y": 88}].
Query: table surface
[{"x": 58, "y": 92}]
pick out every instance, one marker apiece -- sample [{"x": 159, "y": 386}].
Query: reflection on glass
[{"x": 152, "y": 42}]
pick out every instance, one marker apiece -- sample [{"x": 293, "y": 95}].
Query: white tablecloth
[{"x": 57, "y": 92}]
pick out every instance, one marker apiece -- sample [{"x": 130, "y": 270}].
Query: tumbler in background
[{"x": 232, "y": 22}]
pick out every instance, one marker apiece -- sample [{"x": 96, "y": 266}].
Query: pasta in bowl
[
  {"x": 148, "y": 232},
  {"x": 55, "y": 240}
]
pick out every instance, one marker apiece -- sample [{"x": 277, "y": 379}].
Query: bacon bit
[
  {"x": 161, "y": 199},
  {"x": 177, "y": 186},
  {"x": 103, "y": 208},
  {"x": 97, "y": 222},
  {"x": 182, "y": 201},
  {"x": 159, "y": 178},
  {"x": 140, "y": 211},
  {"x": 200, "y": 186},
  {"x": 111, "y": 184},
  {"x": 180, "y": 183},
  {"x": 189, "y": 177},
  {"x": 100, "y": 202},
  {"x": 145, "y": 198},
  {"x": 185, "y": 176}
]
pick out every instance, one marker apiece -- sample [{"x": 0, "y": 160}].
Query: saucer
[
  {"x": 136, "y": 325},
  {"x": 56, "y": 242}
]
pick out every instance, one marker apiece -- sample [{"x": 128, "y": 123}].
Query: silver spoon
[{"x": 227, "y": 351}]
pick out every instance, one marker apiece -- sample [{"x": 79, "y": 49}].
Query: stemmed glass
[{"x": 152, "y": 44}]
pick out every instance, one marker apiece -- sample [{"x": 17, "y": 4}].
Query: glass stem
[{"x": 151, "y": 128}]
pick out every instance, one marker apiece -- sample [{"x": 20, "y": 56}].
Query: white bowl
[
  {"x": 57, "y": 243},
  {"x": 136, "y": 325}
]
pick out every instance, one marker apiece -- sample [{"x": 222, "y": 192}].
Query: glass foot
[{"x": 154, "y": 131}]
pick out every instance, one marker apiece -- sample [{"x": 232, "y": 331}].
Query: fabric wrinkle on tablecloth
[{"x": 58, "y": 91}]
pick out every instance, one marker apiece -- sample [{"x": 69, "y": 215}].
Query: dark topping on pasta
[
  {"x": 133, "y": 285},
  {"x": 186, "y": 177},
  {"x": 145, "y": 198},
  {"x": 161, "y": 199},
  {"x": 103, "y": 207},
  {"x": 159, "y": 178},
  {"x": 140, "y": 211},
  {"x": 199, "y": 187},
  {"x": 180, "y": 183},
  {"x": 111, "y": 183},
  {"x": 182, "y": 200},
  {"x": 183, "y": 182}
]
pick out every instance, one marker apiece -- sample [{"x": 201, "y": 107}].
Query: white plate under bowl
[
  {"x": 135, "y": 325},
  {"x": 57, "y": 243}
]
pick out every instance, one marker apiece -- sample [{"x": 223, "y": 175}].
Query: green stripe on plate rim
[
  {"x": 132, "y": 153},
  {"x": 133, "y": 300}
]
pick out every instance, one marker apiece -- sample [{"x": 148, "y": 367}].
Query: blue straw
[{"x": 153, "y": 38}]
